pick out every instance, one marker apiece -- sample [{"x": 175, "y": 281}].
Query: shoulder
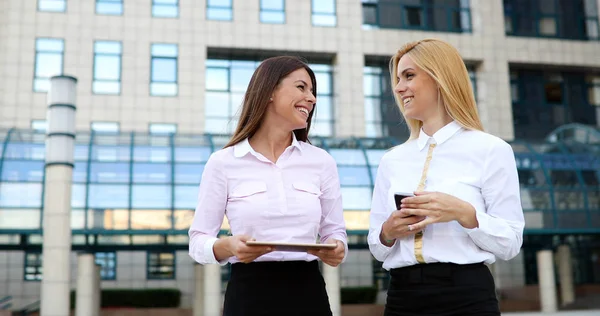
[
  {"x": 316, "y": 153},
  {"x": 220, "y": 157},
  {"x": 399, "y": 152},
  {"x": 489, "y": 145}
]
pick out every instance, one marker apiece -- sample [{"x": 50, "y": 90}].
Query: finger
[
  {"x": 417, "y": 212},
  {"x": 415, "y": 200},
  {"x": 420, "y": 225}
]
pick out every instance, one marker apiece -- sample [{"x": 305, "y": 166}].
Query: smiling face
[
  {"x": 418, "y": 91},
  {"x": 293, "y": 100}
]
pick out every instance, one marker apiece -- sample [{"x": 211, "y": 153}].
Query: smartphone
[{"x": 399, "y": 196}]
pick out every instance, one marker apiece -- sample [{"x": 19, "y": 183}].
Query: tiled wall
[{"x": 137, "y": 29}]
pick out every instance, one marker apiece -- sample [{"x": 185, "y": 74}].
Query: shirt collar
[
  {"x": 442, "y": 135},
  {"x": 243, "y": 148}
]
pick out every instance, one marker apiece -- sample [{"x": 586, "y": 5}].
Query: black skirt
[
  {"x": 276, "y": 288},
  {"x": 442, "y": 289}
]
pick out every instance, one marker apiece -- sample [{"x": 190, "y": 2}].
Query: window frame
[
  {"x": 175, "y": 59},
  {"x": 117, "y": 2},
  {"x": 48, "y": 52},
  {"x": 157, "y": 4},
  {"x": 149, "y": 275},
  {"x": 64, "y": 2},
  {"x": 120, "y": 57},
  {"x": 210, "y": 7}
]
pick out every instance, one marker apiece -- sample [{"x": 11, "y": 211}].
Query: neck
[
  {"x": 434, "y": 124},
  {"x": 271, "y": 141}
]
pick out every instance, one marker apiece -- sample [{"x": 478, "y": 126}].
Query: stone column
[
  {"x": 60, "y": 143},
  {"x": 97, "y": 290},
  {"x": 198, "y": 305},
  {"x": 86, "y": 284},
  {"x": 545, "y": 264},
  {"x": 331, "y": 276},
  {"x": 565, "y": 272},
  {"x": 212, "y": 290}
]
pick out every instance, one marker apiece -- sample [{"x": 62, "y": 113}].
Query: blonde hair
[{"x": 445, "y": 65}]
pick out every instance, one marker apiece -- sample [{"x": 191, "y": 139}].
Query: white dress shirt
[
  {"x": 473, "y": 166},
  {"x": 294, "y": 200}
]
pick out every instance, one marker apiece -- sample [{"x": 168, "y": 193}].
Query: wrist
[
  {"x": 223, "y": 246},
  {"x": 468, "y": 217},
  {"x": 385, "y": 238}
]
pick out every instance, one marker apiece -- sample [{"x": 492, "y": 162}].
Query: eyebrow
[{"x": 405, "y": 70}]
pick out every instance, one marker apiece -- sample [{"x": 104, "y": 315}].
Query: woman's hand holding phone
[{"x": 398, "y": 223}]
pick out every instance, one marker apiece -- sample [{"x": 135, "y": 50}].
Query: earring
[{"x": 270, "y": 99}]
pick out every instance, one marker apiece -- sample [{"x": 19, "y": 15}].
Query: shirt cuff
[
  {"x": 380, "y": 248},
  {"x": 209, "y": 254}
]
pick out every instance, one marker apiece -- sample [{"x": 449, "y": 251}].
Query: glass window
[
  {"x": 162, "y": 128},
  {"x": 354, "y": 175},
  {"x": 108, "y": 172},
  {"x": 219, "y": 10},
  {"x": 20, "y": 218},
  {"x": 105, "y": 127},
  {"x": 20, "y": 194},
  {"x": 272, "y": 11},
  {"x": 151, "y": 173},
  {"x": 356, "y": 198},
  {"x": 109, "y": 7},
  {"x": 188, "y": 173},
  {"x": 186, "y": 197},
  {"x": 52, "y": 5},
  {"x": 108, "y": 265},
  {"x": 151, "y": 196},
  {"x": 49, "y": 58},
  {"x": 165, "y": 8},
  {"x": 192, "y": 154},
  {"x": 443, "y": 16},
  {"x": 151, "y": 219},
  {"x": 593, "y": 83},
  {"x": 39, "y": 125},
  {"x": 160, "y": 266},
  {"x": 163, "y": 81},
  {"x": 108, "y": 196},
  {"x": 23, "y": 170},
  {"x": 323, "y": 13},
  {"x": 382, "y": 115},
  {"x": 107, "y": 67},
  {"x": 33, "y": 266},
  {"x": 570, "y": 19}
]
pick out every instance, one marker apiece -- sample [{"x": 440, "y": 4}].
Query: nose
[
  {"x": 400, "y": 87},
  {"x": 311, "y": 98}
]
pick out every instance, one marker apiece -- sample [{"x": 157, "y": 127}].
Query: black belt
[{"x": 426, "y": 273}]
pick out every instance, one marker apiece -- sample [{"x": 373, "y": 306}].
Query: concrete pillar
[
  {"x": 86, "y": 285},
  {"x": 97, "y": 290},
  {"x": 56, "y": 223},
  {"x": 545, "y": 265},
  {"x": 331, "y": 276},
  {"x": 213, "y": 300},
  {"x": 565, "y": 272},
  {"x": 198, "y": 305}
]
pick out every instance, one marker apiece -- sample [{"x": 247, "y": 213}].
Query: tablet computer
[{"x": 286, "y": 246}]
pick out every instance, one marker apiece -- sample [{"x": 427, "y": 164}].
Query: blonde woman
[{"x": 463, "y": 207}]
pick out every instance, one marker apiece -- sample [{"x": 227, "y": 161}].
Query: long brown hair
[
  {"x": 445, "y": 65},
  {"x": 256, "y": 100}
]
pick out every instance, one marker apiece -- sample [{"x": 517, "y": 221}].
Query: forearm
[
  {"x": 467, "y": 216},
  {"x": 221, "y": 249}
]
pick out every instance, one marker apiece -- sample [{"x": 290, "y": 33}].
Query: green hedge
[
  {"x": 359, "y": 295},
  {"x": 137, "y": 298}
]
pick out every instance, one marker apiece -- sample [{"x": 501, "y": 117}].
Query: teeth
[
  {"x": 303, "y": 110},
  {"x": 407, "y": 100}
]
